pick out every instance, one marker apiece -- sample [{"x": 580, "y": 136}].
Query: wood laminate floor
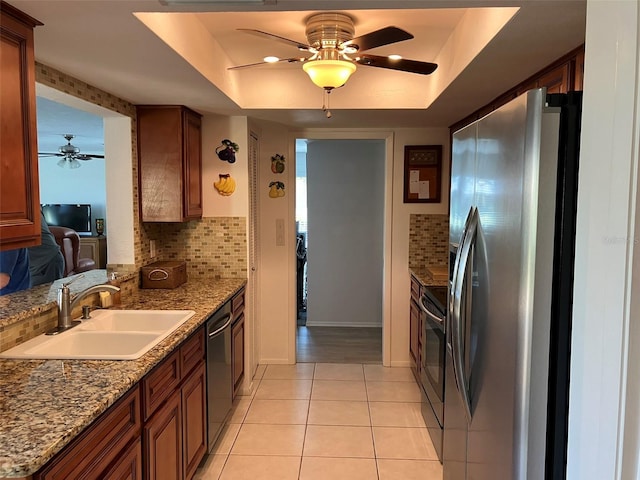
[{"x": 339, "y": 345}]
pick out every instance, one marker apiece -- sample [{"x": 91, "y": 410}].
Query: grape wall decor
[{"x": 277, "y": 163}]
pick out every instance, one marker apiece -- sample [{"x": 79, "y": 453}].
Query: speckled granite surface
[
  {"x": 44, "y": 404},
  {"x": 426, "y": 279},
  {"x": 25, "y": 304}
]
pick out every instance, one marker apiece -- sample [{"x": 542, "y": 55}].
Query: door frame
[{"x": 345, "y": 134}]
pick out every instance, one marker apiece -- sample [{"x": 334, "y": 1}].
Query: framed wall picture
[{"x": 422, "y": 173}]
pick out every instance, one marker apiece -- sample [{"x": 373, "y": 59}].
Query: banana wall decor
[
  {"x": 226, "y": 185},
  {"x": 276, "y": 189}
]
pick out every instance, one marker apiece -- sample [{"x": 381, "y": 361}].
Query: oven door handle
[{"x": 427, "y": 312}]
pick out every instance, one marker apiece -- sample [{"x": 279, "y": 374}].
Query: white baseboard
[
  {"x": 343, "y": 324},
  {"x": 401, "y": 363}
]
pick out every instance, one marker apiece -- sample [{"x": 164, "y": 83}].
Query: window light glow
[{"x": 271, "y": 59}]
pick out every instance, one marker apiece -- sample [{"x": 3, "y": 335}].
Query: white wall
[
  {"x": 215, "y": 128},
  {"x": 277, "y": 264},
  {"x": 345, "y": 195},
  {"x": 604, "y": 404}
]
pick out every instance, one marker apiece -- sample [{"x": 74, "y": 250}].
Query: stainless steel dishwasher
[{"x": 219, "y": 386}]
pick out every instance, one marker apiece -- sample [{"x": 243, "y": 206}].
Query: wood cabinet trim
[
  {"x": 95, "y": 449},
  {"x": 194, "y": 420},
  {"x": 160, "y": 383},
  {"x": 169, "y": 416}
]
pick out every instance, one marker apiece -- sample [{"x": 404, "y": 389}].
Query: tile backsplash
[
  {"x": 214, "y": 247},
  {"x": 428, "y": 240}
]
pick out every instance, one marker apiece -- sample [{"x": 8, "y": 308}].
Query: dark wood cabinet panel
[
  {"x": 194, "y": 420},
  {"x": 128, "y": 466},
  {"x": 192, "y": 352},
  {"x": 160, "y": 383},
  {"x": 170, "y": 163},
  {"x": 94, "y": 450},
  {"x": 415, "y": 328},
  {"x": 578, "y": 72},
  {"x": 19, "y": 187},
  {"x": 557, "y": 80},
  {"x": 237, "y": 353},
  {"x": 163, "y": 442}
]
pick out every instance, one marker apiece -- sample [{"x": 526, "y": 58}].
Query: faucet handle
[{"x": 66, "y": 284}]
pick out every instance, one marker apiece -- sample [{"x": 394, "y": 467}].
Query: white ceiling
[{"x": 104, "y": 44}]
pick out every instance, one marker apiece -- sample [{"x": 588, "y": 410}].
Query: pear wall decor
[{"x": 276, "y": 189}]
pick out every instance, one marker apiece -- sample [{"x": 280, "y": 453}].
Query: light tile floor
[{"x": 326, "y": 421}]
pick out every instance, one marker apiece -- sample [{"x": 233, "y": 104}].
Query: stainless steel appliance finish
[
  {"x": 433, "y": 362},
  {"x": 512, "y": 233},
  {"x": 219, "y": 385}
]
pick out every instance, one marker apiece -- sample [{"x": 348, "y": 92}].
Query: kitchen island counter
[{"x": 44, "y": 404}]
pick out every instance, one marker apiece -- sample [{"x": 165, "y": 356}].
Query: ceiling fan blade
[
  {"x": 293, "y": 43},
  {"x": 88, "y": 156},
  {"x": 289, "y": 60},
  {"x": 50, "y": 154},
  {"x": 378, "y": 38},
  {"x": 411, "y": 66}
]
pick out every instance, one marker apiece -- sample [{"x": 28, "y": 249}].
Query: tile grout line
[{"x": 306, "y": 423}]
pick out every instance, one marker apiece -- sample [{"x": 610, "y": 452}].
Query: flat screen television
[{"x": 75, "y": 216}]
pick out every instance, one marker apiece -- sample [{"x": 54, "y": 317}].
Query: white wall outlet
[
  {"x": 152, "y": 248},
  {"x": 279, "y": 232}
]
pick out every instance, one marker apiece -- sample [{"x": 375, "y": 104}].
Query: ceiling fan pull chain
[{"x": 325, "y": 103}]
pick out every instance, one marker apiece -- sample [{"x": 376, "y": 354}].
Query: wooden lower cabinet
[
  {"x": 129, "y": 466},
  {"x": 415, "y": 328},
  {"x": 163, "y": 441},
  {"x": 194, "y": 420},
  {"x": 175, "y": 435},
  {"x": 237, "y": 342},
  {"x": 96, "y": 449},
  {"x": 156, "y": 431}
]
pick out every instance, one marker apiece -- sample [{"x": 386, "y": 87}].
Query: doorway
[{"x": 340, "y": 229}]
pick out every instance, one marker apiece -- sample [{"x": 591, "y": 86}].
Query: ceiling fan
[
  {"x": 70, "y": 154},
  {"x": 334, "y": 52}
]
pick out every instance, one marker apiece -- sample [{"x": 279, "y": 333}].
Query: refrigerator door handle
[{"x": 460, "y": 282}]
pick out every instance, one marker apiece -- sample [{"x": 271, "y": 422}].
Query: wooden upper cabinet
[
  {"x": 170, "y": 163},
  {"x": 19, "y": 187},
  {"x": 578, "y": 72},
  {"x": 557, "y": 80}
]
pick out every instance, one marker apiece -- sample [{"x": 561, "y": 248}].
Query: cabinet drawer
[
  {"x": 415, "y": 288},
  {"x": 237, "y": 304},
  {"x": 160, "y": 383},
  {"x": 97, "y": 448},
  {"x": 128, "y": 466},
  {"x": 192, "y": 352}
]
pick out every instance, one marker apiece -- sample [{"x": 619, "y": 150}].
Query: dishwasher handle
[{"x": 227, "y": 321}]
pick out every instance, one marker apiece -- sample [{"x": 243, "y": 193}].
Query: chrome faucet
[{"x": 66, "y": 305}]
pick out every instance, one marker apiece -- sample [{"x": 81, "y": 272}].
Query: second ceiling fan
[
  {"x": 335, "y": 51},
  {"x": 70, "y": 154}
]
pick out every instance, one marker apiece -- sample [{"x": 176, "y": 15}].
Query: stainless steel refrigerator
[{"x": 512, "y": 236}]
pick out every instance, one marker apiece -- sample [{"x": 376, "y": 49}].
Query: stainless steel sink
[{"x": 108, "y": 335}]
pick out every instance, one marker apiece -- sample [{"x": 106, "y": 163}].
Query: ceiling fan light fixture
[
  {"x": 69, "y": 163},
  {"x": 329, "y": 74}
]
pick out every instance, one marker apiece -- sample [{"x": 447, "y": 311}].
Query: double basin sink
[{"x": 107, "y": 335}]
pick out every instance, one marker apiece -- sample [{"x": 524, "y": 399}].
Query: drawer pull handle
[{"x": 163, "y": 274}]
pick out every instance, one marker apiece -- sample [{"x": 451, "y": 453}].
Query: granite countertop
[
  {"x": 44, "y": 404},
  {"x": 426, "y": 279},
  {"x": 27, "y": 303}
]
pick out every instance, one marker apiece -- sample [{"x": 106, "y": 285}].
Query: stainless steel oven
[{"x": 433, "y": 305}]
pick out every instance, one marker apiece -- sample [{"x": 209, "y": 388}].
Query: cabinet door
[
  {"x": 95, "y": 449},
  {"x": 161, "y": 382},
  {"x": 192, "y": 166},
  {"x": 163, "y": 442},
  {"x": 128, "y": 466},
  {"x": 194, "y": 420},
  {"x": 237, "y": 353},
  {"x": 19, "y": 190}
]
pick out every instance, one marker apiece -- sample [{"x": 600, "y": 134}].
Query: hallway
[{"x": 326, "y": 421}]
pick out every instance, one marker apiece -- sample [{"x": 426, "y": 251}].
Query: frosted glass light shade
[{"x": 329, "y": 73}]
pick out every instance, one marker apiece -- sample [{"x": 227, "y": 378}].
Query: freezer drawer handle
[{"x": 459, "y": 281}]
